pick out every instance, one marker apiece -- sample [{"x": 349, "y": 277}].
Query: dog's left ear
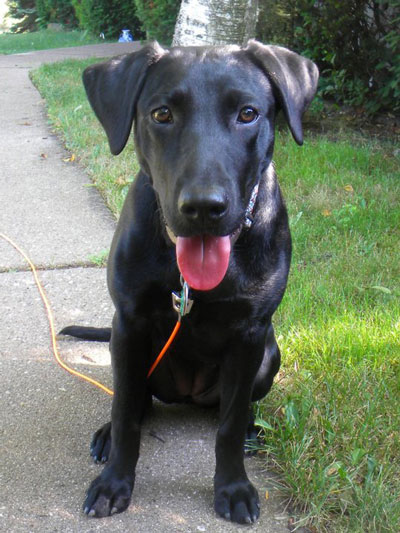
[{"x": 294, "y": 78}]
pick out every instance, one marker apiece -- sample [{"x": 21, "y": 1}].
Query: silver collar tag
[{"x": 181, "y": 303}]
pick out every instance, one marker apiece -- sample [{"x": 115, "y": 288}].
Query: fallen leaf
[
  {"x": 348, "y": 188},
  {"x": 69, "y": 159},
  {"x": 326, "y": 213},
  {"x": 266, "y": 495}
]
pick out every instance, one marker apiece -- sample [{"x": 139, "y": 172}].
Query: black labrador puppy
[{"x": 205, "y": 210}]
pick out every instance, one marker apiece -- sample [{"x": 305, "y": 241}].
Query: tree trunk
[
  {"x": 250, "y": 20},
  {"x": 192, "y": 24},
  {"x": 202, "y": 22}
]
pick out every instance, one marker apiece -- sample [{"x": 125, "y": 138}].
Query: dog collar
[{"x": 249, "y": 214}]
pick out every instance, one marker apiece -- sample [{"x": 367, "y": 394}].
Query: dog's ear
[
  {"x": 113, "y": 88},
  {"x": 293, "y": 77}
]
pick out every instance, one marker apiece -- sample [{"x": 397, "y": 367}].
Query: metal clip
[{"x": 181, "y": 303}]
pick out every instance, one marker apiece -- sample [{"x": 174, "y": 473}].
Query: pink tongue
[{"x": 203, "y": 260}]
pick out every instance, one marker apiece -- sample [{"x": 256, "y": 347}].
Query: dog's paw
[
  {"x": 101, "y": 444},
  {"x": 237, "y": 502},
  {"x": 108, "y": 494}
]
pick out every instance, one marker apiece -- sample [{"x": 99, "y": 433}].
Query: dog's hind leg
[
  {"x": 251, "y": 442},
  {"x": 269, "y": 367},
  {"x": 262, "y": 385},
  {"x": 101, "y": 442}
]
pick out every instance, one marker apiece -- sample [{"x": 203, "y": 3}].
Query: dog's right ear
[{"x": 113, "y": 88}]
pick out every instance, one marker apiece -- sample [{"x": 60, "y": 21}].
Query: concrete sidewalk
[{"x": 48, "y": 416}]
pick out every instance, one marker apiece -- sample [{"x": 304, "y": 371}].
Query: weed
[{"x": 100, "y": 259}]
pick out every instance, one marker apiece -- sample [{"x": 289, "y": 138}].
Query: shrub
[
  {"x": 356, "y": 45},
  {"x": 158, "y": 18},
  {"x": 276, "y": 22},
  {"x": 23, "y": 11},
  {"x": 350, "y": 42},
  {"x": 108, "y": 17},
  {"x": 60, "y": 11}
]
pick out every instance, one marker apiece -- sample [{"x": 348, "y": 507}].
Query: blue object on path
[{"x": 125, "y": 36}]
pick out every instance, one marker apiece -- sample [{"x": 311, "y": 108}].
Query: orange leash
[
  {"x": 54, "y": 335},
  {"x": 163, "y": 351}
]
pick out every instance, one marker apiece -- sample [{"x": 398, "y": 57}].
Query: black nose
[{"x": 209, "y": 205}]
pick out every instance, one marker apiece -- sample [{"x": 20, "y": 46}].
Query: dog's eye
[
  {"x": 162, "y": 115},
  {"x": 247, "y": 114}
]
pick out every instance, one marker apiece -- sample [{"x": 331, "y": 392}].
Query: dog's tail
[{"x": 87, "y": 333}]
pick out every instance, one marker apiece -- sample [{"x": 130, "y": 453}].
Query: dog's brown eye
[
  {"x": 247, "y": 114},
  {"x": 162, "y": 115}
]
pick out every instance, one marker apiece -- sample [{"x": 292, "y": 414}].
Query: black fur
[{"x": 197, "y": 174}]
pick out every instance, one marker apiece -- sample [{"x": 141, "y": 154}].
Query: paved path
[{"x": 47, "y": 416}]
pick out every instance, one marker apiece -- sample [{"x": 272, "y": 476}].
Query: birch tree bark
[
  {"x": 192, "y": 24},
  {"x": 205, "y": 22}
]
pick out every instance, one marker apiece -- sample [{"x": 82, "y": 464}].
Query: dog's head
[{"x": 204, "y": 133}]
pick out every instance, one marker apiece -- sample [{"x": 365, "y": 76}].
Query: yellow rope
[{"x": 51, "y": 322}]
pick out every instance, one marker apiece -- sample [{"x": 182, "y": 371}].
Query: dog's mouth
[{"x": 203, "y": 260}]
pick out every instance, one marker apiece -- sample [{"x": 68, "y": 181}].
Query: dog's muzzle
[{"x": 203, "y": 260}]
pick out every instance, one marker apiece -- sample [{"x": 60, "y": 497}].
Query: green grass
[
  {"x": 331, "y": 422},
  {"x": 13, "y": 43},
  {"x": 70, "y": 114}
]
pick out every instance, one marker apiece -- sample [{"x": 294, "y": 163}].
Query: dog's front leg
[
  {"x": 111, "y": 492},
  {"x": 235, "y": 497}
]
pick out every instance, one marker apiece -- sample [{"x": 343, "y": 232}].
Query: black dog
[{"x": 206, "y": 205}]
